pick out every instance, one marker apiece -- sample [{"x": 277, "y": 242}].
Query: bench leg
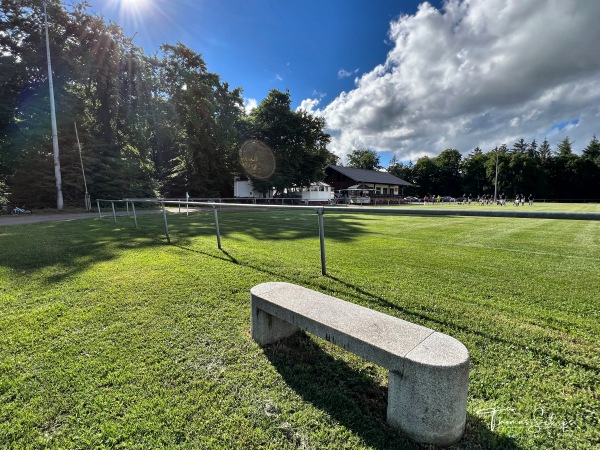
[
  {"x": 267, "y": 329},
  {"x": 429, "y": 404}
]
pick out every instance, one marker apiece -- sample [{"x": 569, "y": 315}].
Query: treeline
[
  {"x": 148, "y": 125},
  {"x": 525, "y": 168}
]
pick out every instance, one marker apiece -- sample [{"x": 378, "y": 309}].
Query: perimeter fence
[{"x": 128, "y": 207}]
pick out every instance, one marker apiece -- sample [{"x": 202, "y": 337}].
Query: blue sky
[
  {"x": 403, "y": 77},
  {"x": 311, "y": 47}
]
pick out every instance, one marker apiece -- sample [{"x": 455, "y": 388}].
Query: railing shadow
[{"x": 355, "y": 399}]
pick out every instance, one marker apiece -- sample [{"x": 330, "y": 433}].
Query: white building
[{"x": 315, "y": 193}]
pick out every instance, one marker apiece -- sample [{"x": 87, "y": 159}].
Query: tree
[
  {"x": 448, "y": 180},
  {"x": 364, "y": 158},
  {"x": 523, "y": 175},
  {"x": 532, "y": 150},
  {"x": 565, "y": 147},
  {"x": 545, "y": 152},
  {"x": 205, "y": 113},
  {"x": 592, "y": 151},
  {"x": 400, "y": 169},
  {"x": 520, "y": 146},
  {"x": 474, "y": 180},
  {"x": 425, "y": 176},
  {"x": 297, "y": 139},
  {"x": 99, "y": 81}
]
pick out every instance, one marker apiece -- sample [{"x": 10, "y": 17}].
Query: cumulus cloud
[
  {"x": 476, "y": 73},
  {"x": 309, "y": 105}
]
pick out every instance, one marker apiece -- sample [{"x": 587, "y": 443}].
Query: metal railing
[{"x": 218, "y": 204}]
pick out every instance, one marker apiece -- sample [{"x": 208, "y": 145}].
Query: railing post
[
  {"x": 98, "y": 204},
  {"x": 320, "y": 212},
  {"x": 217, "y": 226},
  {"x": 112, "y": 204},
  {"x": 166, "y": 224},
  {"x": 134, "y": 215}
]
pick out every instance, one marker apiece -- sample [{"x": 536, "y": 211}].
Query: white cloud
[
  {"x": 478, "y": 73},
  {"x": 345, "y": 74},
  {"x": 250, "y": 104},
  {"x": 309, "y": 105}
]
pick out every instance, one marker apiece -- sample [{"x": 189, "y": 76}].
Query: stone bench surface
[
  {"x": 382, "y": 339},
  {"x": 428, "y": 377}
]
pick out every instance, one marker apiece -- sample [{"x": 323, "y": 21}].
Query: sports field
[{"x": 113, "y": 339}]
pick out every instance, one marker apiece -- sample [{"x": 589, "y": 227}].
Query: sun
[
  {"x": 135, "y": 8},
  {"x": 135, "y": 12}
]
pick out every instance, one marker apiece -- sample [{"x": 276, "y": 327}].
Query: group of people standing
[
  {"x": 520, "y": 200},
  {"x": 488, "y": 199}
]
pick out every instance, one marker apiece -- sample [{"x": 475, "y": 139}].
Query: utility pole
[
  {"x": 496, "y": 179},
  {"x": 57, "y": 175}
]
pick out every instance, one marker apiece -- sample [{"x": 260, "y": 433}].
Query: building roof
[{"x": 369, "y": 176}]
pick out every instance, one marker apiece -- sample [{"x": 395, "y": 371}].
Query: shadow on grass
[
  {"x": 355, "y": 399},
  {"x": 365, "y": 296},
  {"x": 69, "y": 247},
  {"x": 229, "y": 258},
  {"x": 264, "y": 224}
]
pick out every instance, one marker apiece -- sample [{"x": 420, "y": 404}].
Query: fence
[{"x": 216, "y": 204}]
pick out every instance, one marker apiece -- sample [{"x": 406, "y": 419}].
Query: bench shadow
[
  {"x": 355, "y": 399},
  {"x": 365, "y": 297}
]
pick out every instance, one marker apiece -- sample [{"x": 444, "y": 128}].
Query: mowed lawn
[
  {"x": 110, "y": 338},
  {"x": 538, "y": 206}
]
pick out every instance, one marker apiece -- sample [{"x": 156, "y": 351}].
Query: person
[
  {"x": 530, "y": 199},
  {"x": 517, "y": 200},
  {"x": 522, "y": 199}
]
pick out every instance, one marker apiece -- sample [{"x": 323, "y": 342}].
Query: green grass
[
  {"x": 110, "y": 338},
  {"x": 539, "y": 206}
]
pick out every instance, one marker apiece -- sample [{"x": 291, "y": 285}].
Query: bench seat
[{"x": 429, "y": 371}]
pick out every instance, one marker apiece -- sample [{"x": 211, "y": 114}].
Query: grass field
[
  {"x": 537, "y": 206},
  {"x": 113, "y": 339}
]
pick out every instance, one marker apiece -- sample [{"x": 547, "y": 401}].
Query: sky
[{"x": 404, "y": 78}]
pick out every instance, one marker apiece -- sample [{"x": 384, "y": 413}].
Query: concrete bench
[{"x": 429, "y": 371}]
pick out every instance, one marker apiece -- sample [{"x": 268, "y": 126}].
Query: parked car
[
  {"x": 448, "y": 199},
  {"x": 411, "y": 199}
]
